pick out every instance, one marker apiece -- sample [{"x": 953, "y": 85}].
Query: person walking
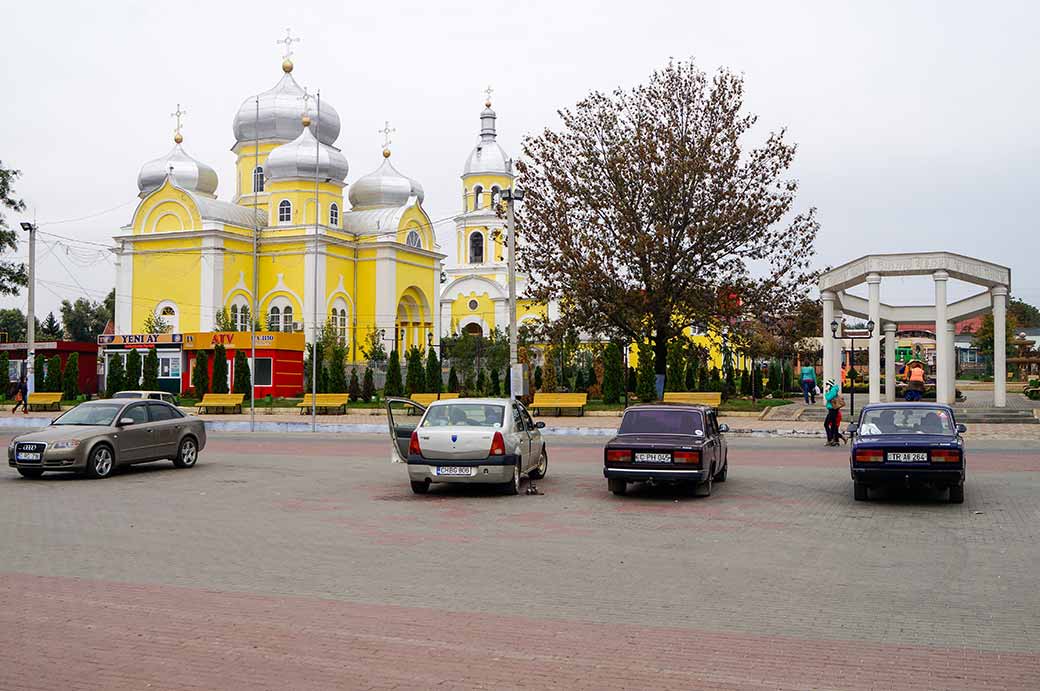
[
  {"x": 809, "y": 384},
  {"x": 915, "y": 387},
  {"x": 21, "y": 396},
  {"x": 834, "y": 401}
]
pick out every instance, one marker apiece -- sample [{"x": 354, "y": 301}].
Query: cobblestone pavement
[{"x": 297, "y": 561}]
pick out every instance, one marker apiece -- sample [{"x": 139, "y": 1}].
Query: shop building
[
  {"x": 279, "y": 359},
  {"x": 88, "y": 357}
]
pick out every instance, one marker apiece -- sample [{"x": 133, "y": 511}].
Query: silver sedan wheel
[
  {"x": 189, "y": 453},
  {"x": 102, "y": 461}
]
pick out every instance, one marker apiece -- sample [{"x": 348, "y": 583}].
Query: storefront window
[
  {"x": 169, "y": 365},
  {"x": 263, "y": 371}
]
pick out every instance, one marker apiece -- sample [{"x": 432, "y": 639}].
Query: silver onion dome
[
  {"x": 487, "y": 156},
  {"x": 384, "y": 187},
  {"x": 188, "y": 173},
  {"x": 297, "y": 160},
  {"x": 281, "y": 108}
]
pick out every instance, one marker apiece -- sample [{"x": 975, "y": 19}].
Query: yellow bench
[
  {"x": 560, "y": 401},
  {"x": 425, "y": 399},
  {"x": 712, "y": 398},
  {"x": 222, "y": 401},
  {"x": 325, "y": 401},
  {"x": 47, "y": 401}
]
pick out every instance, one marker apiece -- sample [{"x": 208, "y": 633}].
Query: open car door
[{"x": 403, "y": 415}]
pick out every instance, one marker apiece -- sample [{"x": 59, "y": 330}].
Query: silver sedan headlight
[{"x": 67, "y": 444}]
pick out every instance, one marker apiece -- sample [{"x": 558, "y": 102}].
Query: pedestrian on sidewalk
[
  {"x": 834, "y": 401},
  {"x": 21, "y": 396},
  {"x": 809, "y": 384}
]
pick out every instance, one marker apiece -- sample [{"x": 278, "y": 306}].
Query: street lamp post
[
  {"x": 516, "y": 379},
  {"x": 852, "y": 335},
  {"x": 30, "y": 330}
]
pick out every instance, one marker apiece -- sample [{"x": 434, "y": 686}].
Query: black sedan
[
  {"x": 663, "y": 443},
  {"x": 907, "y": 444}
]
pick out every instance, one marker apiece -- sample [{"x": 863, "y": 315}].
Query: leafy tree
[
  {"x": 494, "y": 384},
  {"x": 220, "y": 369},
  {"x": 646, "y": 380},
  {"x": 5, "y": 372},
  {"x": 53, "y": 380},
  {"x": 453, "y": 380},
  {"x": 51, "y": 328},
  {"x": 613, "y": 371},
  {"x": 39, "y": 373},
  {"x": 338, "y": 368},
  {"x": 416, "y": 377},
  {"x": 223, "y": 322},
  {"x": 110, "y": 303},
  {"x": 469, "y": 386},
  {"x": 13, "y": 275},
  {"x": 155, "y": 324},
  {"x": 481, "y": 382},
  {"x": 538, "y": 378},
  {"x": 70, "y": 378},
  {"x": 715, "y": 380},
  {"x": 151, "y": 371},
  {"x": 756, "y": 382},
  {"x": 354, "y": 388},
  {"x": 242, "y": 379},
  {"x": 368, "y": 388},
  {"x": 200, "y": 376},
  {"x": 703, "y": 380},
  {"x": 393, "y": 386},
  {"x": 434, "y": 378},
  {"x": 372, "y": 347},
  {"x": 115, "y": 381},
  {"x": 580, "y": 385},
  {"x": 982, "y": 339},
  {"x": 745, "y": 383},
  {"x": 1025, "y": 315},
  {"x": 690, "y": 376},
  {"x": 84, "y": 319},
  {"x": 681, "y": 221},
  {"x": 13, "y": 325},
  {"x": 549, "y": 384},
  {"x": 675, "y": 377},
  {"x": 590, "y": 374},
  {"x": 133, "y": 368}
]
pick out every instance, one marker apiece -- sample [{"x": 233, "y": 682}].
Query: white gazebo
[{"x": 941, "y": 266}]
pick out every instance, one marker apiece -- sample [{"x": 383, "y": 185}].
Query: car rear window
[
  {"x": 464, "y": 415},
  {"x": 662, "y": 421},
  {"x": 126, "y": 394},
  {"x": 905, "y": 420}
]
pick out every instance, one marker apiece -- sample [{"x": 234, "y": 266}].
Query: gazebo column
[
  {"x": 942, "y": 381},
  {"x": 874, "y": 314},
  {"x": 828, "y": 338},
  {"x": 951, "y": 363},
  {"x": 890, "y": 361},
  {"x": 839, "y": 357},
  {"x": 999, "y": 294}
]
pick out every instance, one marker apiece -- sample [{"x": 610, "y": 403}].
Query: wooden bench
[
  {"x": 222, "y": 401},
  {"x": 45, "y": 401},
  {"x": 325, "y": 401},
  {"x": 560, "y": 401},
  {"x": 712, "y": 398},
  {"x": 425, "y": 399}
]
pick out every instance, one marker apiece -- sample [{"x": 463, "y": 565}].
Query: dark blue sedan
[{"x": 907, "y": 444}]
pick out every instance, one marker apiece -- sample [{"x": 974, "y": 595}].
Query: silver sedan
[
  {"x": 467, "y": 440},
  {"x": 95, "y": 438}
]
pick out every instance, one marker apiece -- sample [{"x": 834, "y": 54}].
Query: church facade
[{"x": 371, "y": 268}]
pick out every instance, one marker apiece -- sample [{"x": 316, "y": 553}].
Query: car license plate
[
  {"x": 653, "y": 458},
  {"x": 907, "y": 456},
  {"x": 456, "y": 471},
  {"x": 29, "y": 456}
]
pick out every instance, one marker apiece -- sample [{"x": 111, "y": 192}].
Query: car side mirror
[
  {"x": 961, "y": 428},
  {"x": 539, "y": 425},
  {"x": 723, "y": 428},
  {"x": 124, "y": 421}
]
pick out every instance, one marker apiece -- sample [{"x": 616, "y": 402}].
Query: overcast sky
[{"x": 916, "y": 121}]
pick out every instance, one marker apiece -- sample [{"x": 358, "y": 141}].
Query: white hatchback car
[{"x": 467, "y": 440}]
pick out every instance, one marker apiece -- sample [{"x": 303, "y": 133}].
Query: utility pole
[
  {"x": 516, "y": 379},
  {"x": 30, "y": 330}
]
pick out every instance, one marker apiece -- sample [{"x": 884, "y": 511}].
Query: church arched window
[
  {"x": 414, "y": 239},
  {"x": 476, "y": 248},
  {"x": 285, "y": 211},
  {"x": 334, "y": 215},
  {"x": 496, "y": 195},
  {"x": 287, "y": 315},
  {"x": 478, "y": 193},
  {"x": 234, "y": 316},
  {"x": 258, "y": 179},
  {"x": 274, "y": 320}
]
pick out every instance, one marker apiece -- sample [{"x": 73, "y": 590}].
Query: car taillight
[
  {"x": 693, "y": 457},
  {"x": 413, "y": 445},
  {"x": 619, "y": 455},
  {"x": 869, "y": 456},
  {"x": 498, "y": 445},
  {"x": 946, "y": 456}
]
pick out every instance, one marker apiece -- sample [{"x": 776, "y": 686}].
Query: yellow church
[{"x": 373, "y": 266}]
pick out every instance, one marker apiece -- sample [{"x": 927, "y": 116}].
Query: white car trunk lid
[{"x": 458, "y": 443}]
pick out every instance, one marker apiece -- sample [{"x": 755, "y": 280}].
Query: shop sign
[
  {"x": 139, "y": 339},
  {"x": 238, "y": 340}
]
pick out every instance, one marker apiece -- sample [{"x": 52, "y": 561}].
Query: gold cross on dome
[
  {"x": 488, "y": 91},
  {"x": 288, "y": 41},
  {"x": 386, "y": 132},
  {"x": 177, "y": 114}
]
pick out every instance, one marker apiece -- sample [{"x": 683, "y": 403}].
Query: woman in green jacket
[{"x": 809, "y": 384}]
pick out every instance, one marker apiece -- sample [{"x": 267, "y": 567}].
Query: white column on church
[
  {"x": 874, "y": 314},
  {"x": 951, "y": 363},
  {"x": 941, "y": 348},
  {"x": 890, "y": 361},
  {"x": 999, "y": 294},
  {"x": 828, "y": 340}
]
